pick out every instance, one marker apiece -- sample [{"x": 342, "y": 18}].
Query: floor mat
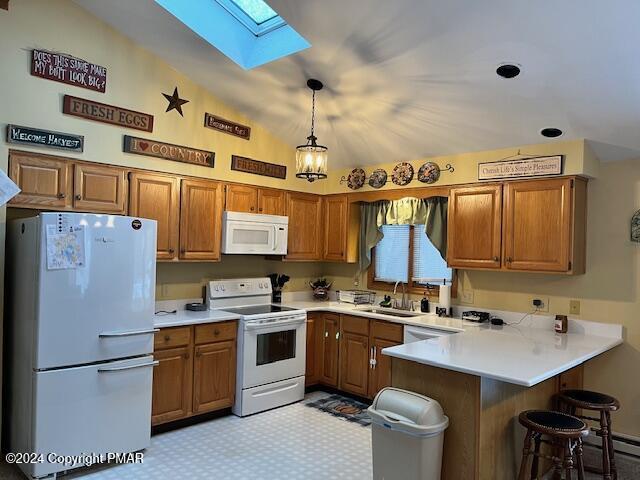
[{"x": 343, "y": 407}]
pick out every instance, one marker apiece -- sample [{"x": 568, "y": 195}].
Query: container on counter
[{"x": 561, "y": 324}]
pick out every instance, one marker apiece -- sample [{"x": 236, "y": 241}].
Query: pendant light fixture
[{"x": 311, "y": 158}]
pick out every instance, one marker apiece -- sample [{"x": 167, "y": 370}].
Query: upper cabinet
[
  {"x": 44, "y": 181},
  {"x": 544, "y": 225},
  {"x": 99, "y": 188},
  {"x": 474, "y": 234},
  {"x": 157, "y": 197},
  {"x": 250, "y": 199},
  {"x": 200, "y": 219},
  {"x": 305, "y": 226},
  {"x": 341, "y": 229},
  {"x": 531, "y": 225}
]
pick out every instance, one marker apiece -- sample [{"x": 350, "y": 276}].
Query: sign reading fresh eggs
[
  {"x": 527, "y": 167},
  {"x": 168, "y": 151},
  {"x": 44, "y": 138},
  {"x": 101, "y": 112},
  {"x": 70, "y": 70}
]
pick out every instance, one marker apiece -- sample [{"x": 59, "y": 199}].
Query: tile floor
[{"x": 293, "y": 442}]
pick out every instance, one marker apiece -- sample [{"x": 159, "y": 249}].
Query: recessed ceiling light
[
  {"x": 508, "y": 70},
  {"x": 551, "y": 132}
]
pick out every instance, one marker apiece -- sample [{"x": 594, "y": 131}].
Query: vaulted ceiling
[{"x": 407, "y": 79}]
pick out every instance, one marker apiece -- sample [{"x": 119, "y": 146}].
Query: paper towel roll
[{"x": 444, "y": 301}]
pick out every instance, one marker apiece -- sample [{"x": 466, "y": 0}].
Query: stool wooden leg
[
  {"x": 536, "y": 458},
  {"x": 579, "y": 460},
  {"x": 525, "y": 456},
  {"x": 606, "y": 454},
  {"x": 614, "y": 470},
  {"x": 558, "y": 453},
  {"x": 568, "y": 460}
]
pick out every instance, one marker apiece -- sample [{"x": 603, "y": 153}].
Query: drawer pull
[
  {"x": 78, "y": 197},
  {"x": 216, "y": 332},
  {"x": 61, "y": 195},
  {"x": 167, "y": 338}
]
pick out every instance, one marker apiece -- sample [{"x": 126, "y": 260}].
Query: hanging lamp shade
[{"x": 311, "y": 158}]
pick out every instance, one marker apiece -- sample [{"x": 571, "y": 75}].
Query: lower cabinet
[
  {"x": 345, "y": 352},
  {"x": 196, "y": 371}
]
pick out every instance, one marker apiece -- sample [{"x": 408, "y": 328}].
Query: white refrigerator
[{"x": 79, "y": 336}]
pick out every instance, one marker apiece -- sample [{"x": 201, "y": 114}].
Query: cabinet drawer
[
  {"x": 355, "y": 324},
  {"x": 172, "y": 337},
  {"x": 387, "y": 331},
  {"x": 215, "y": 332}
]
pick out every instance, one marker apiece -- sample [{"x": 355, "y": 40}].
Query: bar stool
[
  {"x": 563, "y": 433},
  {"x": 571, "y": 400}
]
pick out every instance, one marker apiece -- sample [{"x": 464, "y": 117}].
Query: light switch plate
[
  {"x": 574, "y": 307},
  {"x": 466, "y": 296}
]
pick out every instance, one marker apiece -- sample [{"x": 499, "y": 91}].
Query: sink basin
[{"x": 393, "y": 312}]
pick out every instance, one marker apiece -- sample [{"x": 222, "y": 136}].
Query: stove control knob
[
  {"x": 223, "y": 288},
  {"x": 260, "y": 285}
]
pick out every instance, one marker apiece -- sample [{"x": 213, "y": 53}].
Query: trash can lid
[{"x": 408, "y": 411}]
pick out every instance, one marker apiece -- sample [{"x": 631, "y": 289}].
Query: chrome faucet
[{"x": 404, "y": 305}]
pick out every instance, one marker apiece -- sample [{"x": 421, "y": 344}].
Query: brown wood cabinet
[
  {"x": 354, "y": 359},
  {"x": 330, "y": 339},
  {"x": 341, "y": 229},
  {"x": 305, "y": 226},
  {"x": 529, "y": 226},
  {"x": 314, "y": 348},
  {"x": 44, "y": 181},
  {"x": 383, "y": 335},
  {"x": 200, "y": 219},
  {"x": 250, "y": 199},
  {"x": 99, "y": 188},
  {"x": 157, "y": 197},
  {"x": 475, "y": 227},
  {"x": 197, "y": 370},
  {"x": 214, "y": 376}
]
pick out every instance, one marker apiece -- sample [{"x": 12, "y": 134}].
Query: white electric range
[{"x": 271, "y": 344}]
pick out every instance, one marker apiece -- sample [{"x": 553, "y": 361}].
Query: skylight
[{"x": 256, "y": 15}]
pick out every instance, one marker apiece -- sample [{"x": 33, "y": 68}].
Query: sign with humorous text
[
  {"x": 526, "y": 167},
  {"x": 70, "y": 70}
]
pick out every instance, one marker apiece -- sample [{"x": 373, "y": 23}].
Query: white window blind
[
  {"x": 428, "y": 265},
  {"x": 392, "y": 254}
]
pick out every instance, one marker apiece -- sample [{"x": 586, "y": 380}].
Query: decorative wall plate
[
  {"x": 356, "y": 179},
  {"x": 429, "y": 172},
  {"x": 635, "y": 227},
  {"x": 378, "y": 178},
  {"x": 402, "y": 173}
]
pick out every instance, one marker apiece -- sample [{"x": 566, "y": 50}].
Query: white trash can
[{"x": 407, "y": 435}]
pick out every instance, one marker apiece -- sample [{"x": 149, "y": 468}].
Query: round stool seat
[
  {"x": 554, "y": 423},
  {"x": 589, "y": 400}
]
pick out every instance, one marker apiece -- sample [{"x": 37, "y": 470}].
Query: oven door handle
[{"x": 277, "y": 323}]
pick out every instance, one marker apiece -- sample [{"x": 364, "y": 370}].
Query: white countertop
[{"x": 184, "y": 317}]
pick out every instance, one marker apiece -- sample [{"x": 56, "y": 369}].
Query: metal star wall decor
[{"x": 175, "y": 102}]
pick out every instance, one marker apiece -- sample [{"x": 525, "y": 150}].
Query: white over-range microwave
[{"x": 254, "y": 234}]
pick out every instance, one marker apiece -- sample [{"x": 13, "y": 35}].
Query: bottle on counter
[
  {"x": 562, "y": 324},
  {"x": 424, "y": 304}
]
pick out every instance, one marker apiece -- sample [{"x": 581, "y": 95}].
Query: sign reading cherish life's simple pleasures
[
  {"x": 226, "y": 126},
  {"x": 101, "y": 112},
  {"x": 527, "y": 167},
  {"x": 70, "y": 70},
  {"x": 44, "y": 138},
  {"x": 168, "y": 151},
  {"x": 248, "y": 165}
]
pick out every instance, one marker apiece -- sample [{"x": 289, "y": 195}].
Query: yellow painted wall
[{"x": 466, "y": 165}]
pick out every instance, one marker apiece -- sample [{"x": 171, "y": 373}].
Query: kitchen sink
[{"x": 394, "y": 312}]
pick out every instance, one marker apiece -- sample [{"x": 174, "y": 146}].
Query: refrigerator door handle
[
  {"x": 129, "y": 333},
  {"x": 128, "y": 367}
]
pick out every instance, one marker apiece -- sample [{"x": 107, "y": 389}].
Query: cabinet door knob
[
  {"x": 252, "y": 209},
  {"x": 78, "y": 197},
  {"x": 260, "y": 209},
  {"x": 182, "y": 250},
  {"x": 326, "y": 334},
  {"x": 337, "y": 335},
  {"x": 216, "y": 332},
  {"x": 167, "y": 338},
  {"x": 496, "y": 259},
  {"x": 171, "y": 250},
  {"x": 509, "y": 259},
  {"x": 61, "y": 195}
]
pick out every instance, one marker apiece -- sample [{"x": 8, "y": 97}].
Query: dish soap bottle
[{"x": 424, "y": 304}]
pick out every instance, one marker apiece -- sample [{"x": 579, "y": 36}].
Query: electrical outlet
[
  {"x": 574, "y": 307},
  {"x": 541, "y": 303},
  {"x": 467, "y": 296},
  {"x": 164, "y": 290}
]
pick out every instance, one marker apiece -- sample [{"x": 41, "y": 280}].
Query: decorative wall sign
[
  {"x": 44, "y": 138},
  {"x": 526, "y": 167},
  {"x": 101, "y": 112},
  {"x": 168, "y": 151},
  {"x": 226, "y": 126},
  {"x": 635, "y": 227},
  {"x": 175, "y": 102},
  {"x": 67, "y": 69},
  {"x": 248, "y": 165}
]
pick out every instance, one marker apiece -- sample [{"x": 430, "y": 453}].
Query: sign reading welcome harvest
[{"x": 168, "y": 151}]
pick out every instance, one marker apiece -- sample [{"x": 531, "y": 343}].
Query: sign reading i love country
[{"x": 168, "y": 151}]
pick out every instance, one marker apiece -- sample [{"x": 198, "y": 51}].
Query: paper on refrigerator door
[
  {"x": 65, "y": 247},
  {"x": 8, "y": 189}
]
